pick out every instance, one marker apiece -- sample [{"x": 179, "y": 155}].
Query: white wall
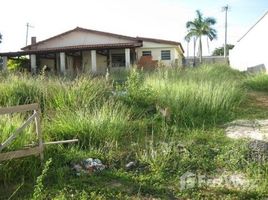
[
  {"x": 81, "y": 38},
  {"x": 252, "y": 49},
  {"x": 156, "y": 49},
  {"x": 48, "y": 62},
  {"x": 101, "y": 62}
]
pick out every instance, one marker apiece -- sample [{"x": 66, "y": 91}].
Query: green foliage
[
  {"x": 39, "y": 187},
  {"x": 136, "y": 93},
  {"x": 257, "y": 82},
  {"x": 20, "y": 64},
  {"x": 125, "y": 123},
  {"x": 220, "y": 50},
  {"x": 110, "y": 122},
  {"x": 201, "y": 26},
  {"x": 205, "y": 96}
]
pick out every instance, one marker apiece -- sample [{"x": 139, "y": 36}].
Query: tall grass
[
  {"x": 122, "y": 123},
  {"x": 257, "y": 82},
  {"x": 109, "y": 122},
  {"x": 52, "y": 93},
  {"x": 207, "y": 95}
]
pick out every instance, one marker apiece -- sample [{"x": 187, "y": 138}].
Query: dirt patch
[
  {"x": 258, "y": 99},
  {"x": 248, "y": 129}
]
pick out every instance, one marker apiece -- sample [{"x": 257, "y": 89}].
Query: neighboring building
[
  {"x": 84, "y": 50},
  {"x": 250, "y": 53}
]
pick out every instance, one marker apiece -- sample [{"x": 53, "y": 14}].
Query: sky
[{"x": 162, "y": 19}]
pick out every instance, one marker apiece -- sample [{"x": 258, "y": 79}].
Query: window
[
  {"x": 165, "y": 55},
  {"x": 118, "y": 60},
  {"x": 146, "y": 53}
]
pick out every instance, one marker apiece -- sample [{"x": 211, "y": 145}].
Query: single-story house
[
  {"x": 250, "y": 52},
  {"x": 85, "y": 50}
]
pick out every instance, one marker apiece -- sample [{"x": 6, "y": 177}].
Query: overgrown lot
[{"x": 168, "y": 122}]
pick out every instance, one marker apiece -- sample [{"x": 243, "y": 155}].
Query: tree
[
  {"x": 220, "y": 51},
  {"x": 201, "y": 26},
  {"x": 0, "y": 37}
]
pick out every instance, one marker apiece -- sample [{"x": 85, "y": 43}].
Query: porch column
[
  {"x": 33, "y": 63},
  {"x": 93, "y": 61},
  {"x": 62, "y": 63},
  {"x": 110, "y": 59},
  {"x": 127, "y": 58},
  {"x": 4, "y": 68}
]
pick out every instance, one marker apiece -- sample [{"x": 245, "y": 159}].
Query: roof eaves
[{"x": 161, "y": 41}]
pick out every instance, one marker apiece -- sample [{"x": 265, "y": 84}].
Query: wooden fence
[
  {"x": 34, "y": 117},
  {"x": 31, "y": 149}
]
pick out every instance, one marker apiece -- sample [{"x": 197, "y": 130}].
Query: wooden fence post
[{"x": 39, "y": 132}]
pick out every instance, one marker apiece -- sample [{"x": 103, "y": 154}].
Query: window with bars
[
  {"x": 118, "y": 60},
  {"x": 146, "y": 53},
  {"x": 165, "y": 55}
]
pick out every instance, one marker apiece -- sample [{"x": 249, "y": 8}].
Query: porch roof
[{"x": 72, "y": 48}]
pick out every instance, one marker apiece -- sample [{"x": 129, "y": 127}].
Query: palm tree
[
  {"x": 199, "y": 27},
  {"x": 187, "y": 38}
]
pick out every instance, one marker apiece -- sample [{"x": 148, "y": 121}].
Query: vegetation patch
[{"x": 166, "y": 122}]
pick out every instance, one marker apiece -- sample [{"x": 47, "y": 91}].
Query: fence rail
[
  {"x": 37, "y": 149},
  {"x": 34, "y": 117}
]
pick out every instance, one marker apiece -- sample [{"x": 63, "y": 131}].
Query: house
[
  {"x": 250, "y": 52},
  {"x": 85, "y": 50}
]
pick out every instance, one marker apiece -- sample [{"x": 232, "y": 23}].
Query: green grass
[
  {"x": 119, "y": 122},
  {"x": 258, "y": 82}
]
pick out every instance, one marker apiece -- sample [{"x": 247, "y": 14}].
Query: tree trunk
[{"x": 200, "y": 49}]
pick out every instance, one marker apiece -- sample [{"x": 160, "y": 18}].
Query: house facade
[
  {"x": 84, "y": 50},
  {"x": 250, "y": 52}
]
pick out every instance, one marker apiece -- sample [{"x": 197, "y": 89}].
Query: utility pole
[
  {"x": 27, "y": 31},
  {"x": 225, "y": 9}
]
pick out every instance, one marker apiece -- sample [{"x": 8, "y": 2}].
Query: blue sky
[{"x": 150, "y": 18}]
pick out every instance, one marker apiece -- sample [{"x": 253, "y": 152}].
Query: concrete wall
[
  {"x": 251, "y": 50},
  {"x": 188, "y": 62},
  {"x": 50, "y": 63},
  {"x": 86, "y": 62}
]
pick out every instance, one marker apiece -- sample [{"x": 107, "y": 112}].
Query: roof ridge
[{"x": 81, "y": 29}]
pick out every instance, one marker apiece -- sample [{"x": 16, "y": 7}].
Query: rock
[
  {"x": 248, "y": 129},
  {"x": 257, "y": 133},
  {"x": 258, "y": 151}
]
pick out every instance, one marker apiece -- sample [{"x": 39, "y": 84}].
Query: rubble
[{"x": 88, "y": 166}]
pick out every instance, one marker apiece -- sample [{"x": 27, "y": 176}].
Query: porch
[{"x": 72, "y": 60}]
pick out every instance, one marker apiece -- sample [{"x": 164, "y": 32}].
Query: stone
[
  {"x": 257, "y": 133},
  {"x": 258, "y": 151},
  {"x": 248, "y": 129}
]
